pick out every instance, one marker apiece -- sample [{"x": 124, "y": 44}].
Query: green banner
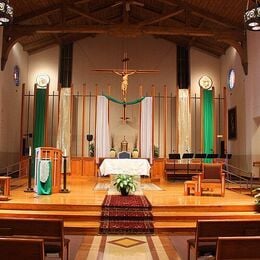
[
  {"x": 208, "y": 122},
  {"x": 39, "y": 122}
]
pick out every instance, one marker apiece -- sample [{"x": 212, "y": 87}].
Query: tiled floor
[{"x": 127, "y": 247}]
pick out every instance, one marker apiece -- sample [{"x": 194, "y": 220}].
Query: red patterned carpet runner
[{"x": 126, "y": 214}]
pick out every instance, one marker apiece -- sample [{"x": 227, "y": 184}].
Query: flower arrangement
[
  {"x": 125, "y": 184},
  {"x": 256, "y": 193}
]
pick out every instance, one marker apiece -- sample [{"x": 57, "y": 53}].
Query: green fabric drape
[
  {"x": 208, "y": 122},
  {"x": 39, "y": 122},
  {"x": 122, "y": 102},
  {"x": 44, "y": 188}
]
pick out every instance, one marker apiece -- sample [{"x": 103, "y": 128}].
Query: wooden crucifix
[{"x": 124, "y": 73}]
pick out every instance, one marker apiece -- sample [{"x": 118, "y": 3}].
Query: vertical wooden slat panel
[
  {"x": 165, "y": 120},
  {"x": 21, "y": 122},
  {"x": 225, "y": 118},
  {"x": 214, "y": 122},
  {"x": 153, "y": 116}
]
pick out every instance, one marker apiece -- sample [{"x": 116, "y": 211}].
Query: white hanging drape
[
  {"x": 184, "y": 122},
  {"x": 64, "y": 126},
  {"x": 146, "y": 128},
  {"x": 102, "y": 128}
]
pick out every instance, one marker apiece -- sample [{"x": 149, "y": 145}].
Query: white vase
[
  {"x": 112, "y": 153},
  {"x": 135, "y": 154}
]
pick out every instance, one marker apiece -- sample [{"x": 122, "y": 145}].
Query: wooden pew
[
  {"x": 208, "y": 231},
  {"x": 21, "y": 248},
  {"x": 50, "y": 230},
  {"x": 238, "y": 248}
]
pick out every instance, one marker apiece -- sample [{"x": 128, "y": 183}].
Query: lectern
[{"x": 53, "y": 156}]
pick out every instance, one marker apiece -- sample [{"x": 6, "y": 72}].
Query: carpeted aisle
[{"x": 126, "y": 215}]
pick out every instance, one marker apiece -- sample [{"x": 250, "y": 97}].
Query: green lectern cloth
[{"x": 44, "y": 180}]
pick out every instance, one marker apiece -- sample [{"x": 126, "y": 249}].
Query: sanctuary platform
[{"x": 81, "y": 207}]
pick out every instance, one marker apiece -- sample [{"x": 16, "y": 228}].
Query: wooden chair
[
  {"x": 5, "y": 186},
  {"x": 211, "y": 177},
  {"x": 21, "y": 248},
  {"x": 238, "y": 248}
]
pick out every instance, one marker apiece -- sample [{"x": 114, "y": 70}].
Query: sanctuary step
[{"x": 165, "y": 220}]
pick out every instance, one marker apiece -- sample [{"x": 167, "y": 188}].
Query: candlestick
[{"x": 30, "y": 151}]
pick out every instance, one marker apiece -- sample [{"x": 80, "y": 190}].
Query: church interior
[{"x": 159, "y": 96}]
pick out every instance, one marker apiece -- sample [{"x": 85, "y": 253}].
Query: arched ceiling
[{"x": 211, "y": 25}]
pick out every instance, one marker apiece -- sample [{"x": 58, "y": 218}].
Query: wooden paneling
[
  {"x": 76, "y": 166},
  {"x": 89, "y": 167},
  {"x": 85, "y": 166},
  {"x": 158, "y": 168}
]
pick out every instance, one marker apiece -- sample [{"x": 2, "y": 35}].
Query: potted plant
[
  {"x": 125, "y": 184},
  {"x": 256, "y": 193},
  {"x": 156, "y": 151},
  {"x": 91, "y": 150}
]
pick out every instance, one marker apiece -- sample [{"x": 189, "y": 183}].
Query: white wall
[
  {"x": 204, "y": 64},
  {"x": 44, "y": 62},
  {"x": 252, "y": 94},
  {"x": 10, "y": 104},
  {"x": 245, "y": 97}
]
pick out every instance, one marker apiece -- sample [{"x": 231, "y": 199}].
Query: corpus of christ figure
[{"x": 124, "y": 73}]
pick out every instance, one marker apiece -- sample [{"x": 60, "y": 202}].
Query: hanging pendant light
[
  {"x": 252, "y": 17},
  {"x": 6, "y": 12}
]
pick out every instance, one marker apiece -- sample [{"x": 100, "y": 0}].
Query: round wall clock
[
  {"x": 42, "y": 80},
  {"x": 205, "y": 82},
  {"x": 231, "y": 78}
]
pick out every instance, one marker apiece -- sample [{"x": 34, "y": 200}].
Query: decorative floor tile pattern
[
  {"x": 126, "y": 242},
  {"x": 114, "y": 247}
]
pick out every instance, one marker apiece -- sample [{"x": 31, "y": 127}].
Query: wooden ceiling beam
[
  {"x": 44, "y": 11},
  {"x": 203, "y": 13},
  {"x": 161, "y": 17},
  {"x": 41, "y": 12},
  {"x": 128, "y": 29},
  {"x": 86, "y": 15}
]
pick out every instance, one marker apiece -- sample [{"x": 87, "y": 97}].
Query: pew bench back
[
  {"x": 238, "y": 248},
  {"x": 21, "y": 248},
  {"x": 50, "y": 230},
  {"x": 208, "y": 231}
]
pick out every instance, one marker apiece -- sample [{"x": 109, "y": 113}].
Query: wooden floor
[{"x": 80, "y": 209}]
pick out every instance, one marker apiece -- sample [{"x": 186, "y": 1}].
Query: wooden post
[
  {"x": 165, "y": 120},
  {"x": 177, "y": 120},
  {"x": 140, "y": 113},
  {"x": 214, "y": 122},
  {"x": 46, "y": 116},
  {"x": 225, "y": 119},
  {"x": 153, "y": 117},
  {"x": 21, "y": 122}
]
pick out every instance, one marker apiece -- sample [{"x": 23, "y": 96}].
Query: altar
[{"x": 125, "y": 166}]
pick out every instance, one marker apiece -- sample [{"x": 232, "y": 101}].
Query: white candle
[
  {"x": 30, "y": 151},
  {"x": 65, "y": 154}
]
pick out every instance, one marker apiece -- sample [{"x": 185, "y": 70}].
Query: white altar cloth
[{"x": 125, "y": 166}]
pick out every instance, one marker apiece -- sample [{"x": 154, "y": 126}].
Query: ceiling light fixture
[
  {"x": 252, "y": 17},
  {"x": 6, "y": 12}
]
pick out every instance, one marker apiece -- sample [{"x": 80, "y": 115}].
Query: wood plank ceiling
[{"x": 211, "y": 25}]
